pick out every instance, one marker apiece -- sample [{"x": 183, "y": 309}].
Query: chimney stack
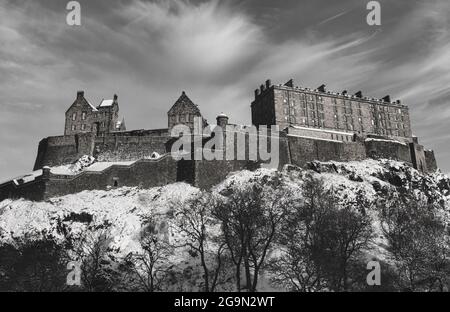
[
  {"x": 256, "y": 93},
  {"x": 387, "y": 99},
  {"x": 290, "y": 83},
  {"x": 344, "y": 92},
  {"x": 358, "y": 94},
  {"x": 222, "y": 120},
  {"x": 322, "y": 88},
  {"x": 268, "y": 83},
  {"x": 80, "y": 94}
]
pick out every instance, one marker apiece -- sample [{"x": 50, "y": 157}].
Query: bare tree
[
  {"x": 152, "y": 266},
  {"x": 419, "y": 243},
  {"x": 194, "y": 220},
  {"x": 319, "y": 242},
  {"x": 92, "y": 248},
  {"x": 251, "y": 216}
]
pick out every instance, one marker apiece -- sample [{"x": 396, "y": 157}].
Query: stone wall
[
  {"x": 304, "y": 150},
  {"x": 418, "y": 157},
  {"x": 55, "y": 151},
  {"x": 34, "y": 190},
  {"x": 143, "y": 173},
  {"x": 119, "y": 146},
  {"x": 209, "y": 173},
  {"x": 388, "y": 149},
  {"x": 430, "y": 161}
]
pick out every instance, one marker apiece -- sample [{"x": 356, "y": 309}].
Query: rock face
[{"x": 125, "y": 211}]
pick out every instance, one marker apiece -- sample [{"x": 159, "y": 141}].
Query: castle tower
[{"x": 222, "y": 120}]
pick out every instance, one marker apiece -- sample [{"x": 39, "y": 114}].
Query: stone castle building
[
  {"x": 287, "y": 106},
  {"x": 314, "y": 124},
  {"x": 83, "y": 117}
]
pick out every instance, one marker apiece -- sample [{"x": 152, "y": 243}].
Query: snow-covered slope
[{"x": 125, "y": 210}]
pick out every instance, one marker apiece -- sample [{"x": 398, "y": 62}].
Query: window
[
  {"x": 74, "y": 127},
  {"x": 83, "y": 115},
  {"x": 74, "y": 116},
  {"x": 83, "y": 127},
  {"x": 103, "y": 124}
]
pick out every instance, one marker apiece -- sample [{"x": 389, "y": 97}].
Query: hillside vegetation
[{"x": 298, "y": 229}]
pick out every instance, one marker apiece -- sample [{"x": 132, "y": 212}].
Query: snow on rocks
[{"x": 78, "y": 166}]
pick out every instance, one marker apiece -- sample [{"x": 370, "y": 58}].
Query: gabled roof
[
  {"x": 106, "y": 103},
  {"x": 184, "y": 102},
  {"x": 83, "y": 100},
  {"x": 94, "y": 109}
]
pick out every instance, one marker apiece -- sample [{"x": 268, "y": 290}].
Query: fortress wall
[
  {"x": 303, "y": 150},
  {"x": 328, "y": 150},
  {"x": 430, "y": 160},
  {"x": 353, "y": 151},
  {"x": 144, "y": 173},
  {"x": 389, "y": 150},
  {"x": 129, "y": 148},
  {"x": 56, "y": 151},
  {"x": 33, "y": 191},
  {"x": 209, "y": 173},
  {"x": 418, "y": 157}
]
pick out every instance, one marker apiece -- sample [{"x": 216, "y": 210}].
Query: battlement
[{"x": 322, "y": 91}]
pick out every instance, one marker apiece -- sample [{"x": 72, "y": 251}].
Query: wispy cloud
[
  {"x": 332, "y": 18},
  {"x": 148, "y": 52}
]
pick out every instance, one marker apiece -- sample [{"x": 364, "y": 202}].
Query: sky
[{"x": 148, "y": 52}]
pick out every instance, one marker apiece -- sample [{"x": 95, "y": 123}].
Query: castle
[{"x": 314, "y": 124}]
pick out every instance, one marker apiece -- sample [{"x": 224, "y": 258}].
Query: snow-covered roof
[
  {"x": 384, "y": 140},
  {"x": 24, "y": 178},
  {"x": 106, "y": 103},
  {"x": 313, "y": 138},
  {"x": 94, "y": 109},
  {"x": 322, "y": 130}
]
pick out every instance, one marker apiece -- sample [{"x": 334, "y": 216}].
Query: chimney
[
  {"x": 399, "y": 102},
  {"x": 268, "y": 83},
  {"x": 115, "y": 97},
  {"x": 80, "y": 94},
  {"x": 222, "y": 120},
  {"x": 321, "y": 88},
  {"x": 256, "y": 93},
  {"x": 262, "y": 88},
  {"x": 344, "y": 92},
  {"x": 290, "y": 83},
  {"x": 387, "y": 99},
  {"x": 358, "y": 94}
]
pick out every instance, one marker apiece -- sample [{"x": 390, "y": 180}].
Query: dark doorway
[{"x": 186, "y": 171}]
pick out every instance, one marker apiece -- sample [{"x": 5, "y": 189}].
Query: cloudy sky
[{"x": 218, "y": 52}]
